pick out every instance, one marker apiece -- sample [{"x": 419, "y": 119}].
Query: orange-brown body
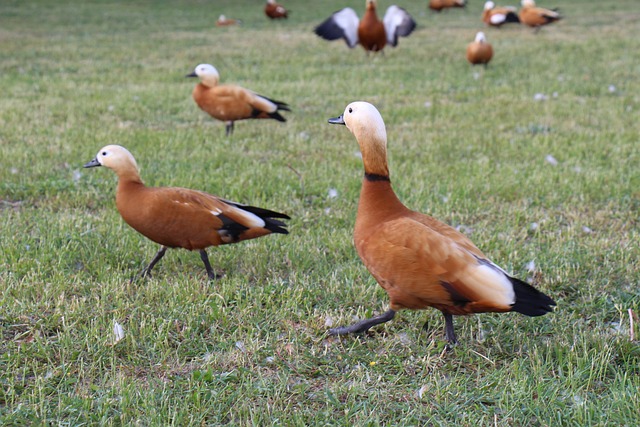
[
  {"x": 439, "y": 5},
  {"x": 411, "y": 263},
  {"x": 371, "y": 32},
  {"x": 479, "y": 52},
  {"x": 506, "y": 15},
  {"x": 537, "y": 17},
  {"x": 230, "y": 103},
  {"x": 275, "y": 11},
  {"x": 225, "y": 22},
  {"x": 178, "y": 217},
  {"x": 181, "y": 218}
]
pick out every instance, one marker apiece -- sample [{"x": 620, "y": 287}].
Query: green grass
[{"x": 251, "y": 349}]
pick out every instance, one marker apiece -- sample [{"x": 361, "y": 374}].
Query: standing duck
[
  {"x": 536, "y": 17},
  {"x": 275, "y": 10},
  {"x": 498, "y": 16},
  {"x": 182, "y": 218},
  {"x": 230, "y": 103},
  {"x": 479, "y": 51},
  {"x": 372, "y": 33},
  {"x": 419, "y": 261}
]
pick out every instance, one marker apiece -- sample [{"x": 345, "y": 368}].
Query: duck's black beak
[
  {"x": 337, "y": 121},
  {"x": 192, "y": 75},
  {"x": 92, "y": 164}
]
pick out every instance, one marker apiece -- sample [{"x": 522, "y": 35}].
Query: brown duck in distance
[
  {"x": 230, "y": 103},
  {"x": 370, "y": 32}
]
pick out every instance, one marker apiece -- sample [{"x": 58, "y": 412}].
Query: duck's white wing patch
[
  {"x": 248, "y": 219},
  {"x": 263, "y": 104},
  {"x": 341, "y": 25},
  {"x": 497, "y": 18},
  {"x": 397, "y": 23}
]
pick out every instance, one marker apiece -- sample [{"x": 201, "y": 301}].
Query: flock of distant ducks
[
  {"x": 373, "y": 34},
  {"x": 418, "y": 260}
]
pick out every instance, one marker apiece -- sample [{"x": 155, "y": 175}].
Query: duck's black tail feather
[
  {"x": 271, "y": 224},
  {"x": 529, "y": 300}
]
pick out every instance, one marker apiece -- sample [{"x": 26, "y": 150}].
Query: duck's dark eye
[
  {"x": 104, "y": 153},
  {"x": 351, "y": 110}
]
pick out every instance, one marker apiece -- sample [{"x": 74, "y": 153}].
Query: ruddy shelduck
[
  {"x": 230, "y": 103},
  {"x": 274, "y": 10},
  {"x": 439, "y": 5},
  {"x": 372, "y": 33},
  {"x": 419, "y": 261},
  {"x": 498, "y": 16},
  {"x": 223, "y": 21},
  {"x": 182, "y": 218},
  {"x": 536, "y": 17},
  {"x": 479, "y": 51}
]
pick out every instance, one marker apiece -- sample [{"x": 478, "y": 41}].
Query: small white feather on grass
[{"x": 118, "y": 332}]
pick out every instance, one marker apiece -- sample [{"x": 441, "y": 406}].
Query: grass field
[{"x": 552, "y": 183}]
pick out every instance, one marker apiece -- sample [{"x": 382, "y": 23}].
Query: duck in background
[
  {"x": 537, "y": 17},
  {"x": 439, "y": 5},
  {"x": 419, "y": 261},
  {"x": 230, "y": 103},
  {"x": 370, "y": 32},
  {"x": 479, "y": 51},
  {"x": 223, "y": 21},
  {"x": 274, "y": 10},
  {"x": 498, "y": 16}
]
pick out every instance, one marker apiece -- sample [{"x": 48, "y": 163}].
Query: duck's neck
[
  {"x": 128, "y": 180},
  {"x": 209, "y": 81},
  {"x": 377, "y": 199}
]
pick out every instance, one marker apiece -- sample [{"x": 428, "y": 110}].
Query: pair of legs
[
  {"x": 366, "y": 324},
  {"x": 203, "y": 256}
]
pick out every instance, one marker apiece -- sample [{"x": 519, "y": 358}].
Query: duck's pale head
[
  {"x": 480, "y": 38},
  {"x": 366, "y": 124},
  {"x": 114, "y": 157},
  {"x": 207, "y": 73}
]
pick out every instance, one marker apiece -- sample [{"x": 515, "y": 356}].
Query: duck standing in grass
[
  {"x": 479, "y": 51},
  {"x": 419, "y": 261},
  {"x": 439, "y": 5},
  {"x": 536, "y": 17},
  {"x": 274, "y": 10},
  {"x": 230, "y": 103},
  {"x": 182, "y": 218},
  {"x": 372, "y": 33},
  {"x": 498, "y": 16}
]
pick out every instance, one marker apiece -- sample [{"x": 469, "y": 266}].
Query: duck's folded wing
[
  {"x": 430, "y": 268},
  {"x": 343, "y": 24}
]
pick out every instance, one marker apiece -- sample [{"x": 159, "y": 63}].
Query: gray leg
[
  {"x": 229, "y": 128},
  {"x": 207, "y": 265},
  {"x": 448, "y": 329},
  {"x": 363, "y": 325},
  {"x": 147, "y": 270}
]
